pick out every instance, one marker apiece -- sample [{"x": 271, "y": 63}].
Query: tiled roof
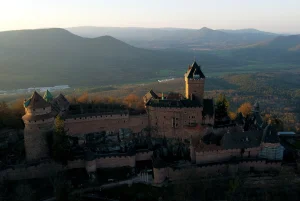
[
  {"x": 194, "y": 71},
  {"x": 61, "y": 101},
  {"x": 48, "y": 96},
  {"x": 173, "y": 103},
  {"x": 150, "y": 95},
  {"x": 36, "y": 101},
  {"x": 174, "y": 96},
  {"x": 239, "y": 140}
]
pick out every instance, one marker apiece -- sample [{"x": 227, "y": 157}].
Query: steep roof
[
  {"x": 36, "y": 101},
  {"x": 61, "y": 101},
  {"x": 174, "y": 96},
  {"x": 239, "y": 140},
  {"x": 48, "y": 96},
  {"x": 194, "y": 72},
  {"x": 150, "y": 95}
]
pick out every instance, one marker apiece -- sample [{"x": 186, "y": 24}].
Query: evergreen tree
[
  {"x": 222, "y": 106},
  {"x": 61, "y": 149}
]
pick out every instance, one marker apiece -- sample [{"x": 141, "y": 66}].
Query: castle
[
  {"x": 171, "y": 116},
  {"x": 172, "y": 128}
]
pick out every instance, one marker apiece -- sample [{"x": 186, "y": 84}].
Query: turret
[
  {"x": 48, "y": 97},
  {"x": 194, "y": 83},
  {"x": 256, "y": 107},
  {"x": 39, "y": 124}
]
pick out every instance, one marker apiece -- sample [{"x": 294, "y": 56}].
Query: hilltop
[
  {"x": 193, "y": 39},
  {"x": 47, "y": 57}
]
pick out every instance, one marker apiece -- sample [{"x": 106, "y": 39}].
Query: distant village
[{"x": 173, "y": 137}]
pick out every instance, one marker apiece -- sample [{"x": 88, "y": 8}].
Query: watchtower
[
  {"x": 194, "y": 83},
  {"x": 39, "y": 124}
]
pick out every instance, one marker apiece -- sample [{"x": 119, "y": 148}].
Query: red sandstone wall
[
  {"x": 105, "y": 123},
  {"x": 163, "y": 120}
]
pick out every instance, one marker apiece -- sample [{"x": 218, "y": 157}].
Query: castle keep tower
[
  {"x": 39, "y": 123},
  {"x": 194, "y": 83}
]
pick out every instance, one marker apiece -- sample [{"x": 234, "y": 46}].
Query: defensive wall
[
  {"x": 48, "y": 167},
  {"x": 200, "y": 171},
  {"x": 202, "y": 157},
  {"x": 106, "y": 122}
]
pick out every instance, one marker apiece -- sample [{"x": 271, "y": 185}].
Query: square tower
[{"x": 194, "y": 83}]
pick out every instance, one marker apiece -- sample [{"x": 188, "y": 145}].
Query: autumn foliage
[{"x": 245, "y": 109}]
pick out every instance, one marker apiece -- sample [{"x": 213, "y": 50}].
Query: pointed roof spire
[
  {"x": 48, "y": 96},
  {"x": 256, "y": 106},
  {"x": 194, "y": 71},
  {"x": 36, "y": 101}
]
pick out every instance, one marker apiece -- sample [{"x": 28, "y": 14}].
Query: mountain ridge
[{"x": 164, "y": 38}]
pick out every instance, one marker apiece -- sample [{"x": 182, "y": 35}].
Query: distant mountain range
[
  {"x": 48, "y": 57},
  {"x": 193, "y": 39}
]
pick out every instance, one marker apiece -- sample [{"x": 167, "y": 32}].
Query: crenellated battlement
[{"x": 96, "y": 117}]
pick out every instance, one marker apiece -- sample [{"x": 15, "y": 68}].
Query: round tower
[
  {"x": 194, "y": 83},
  {"x": 39, "y": 124}
]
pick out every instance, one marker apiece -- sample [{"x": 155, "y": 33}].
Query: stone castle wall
[
  {"x": 35, "y": 140},
  {"x": 110, "y": 122},
  {"x": 194, "y": 172},
  {"x": 45, "y": 169},
  {"x": 202, "y": 157},
  {"x": 175, "y": 122},
  {"x": 38, "y": 111}
]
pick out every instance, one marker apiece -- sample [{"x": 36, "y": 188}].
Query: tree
[
  {"x": 18, "y": 108},
  {"x": 61, "y": 148},
  {"x": 222, "y": 106},
  {"x": 245, "y": 109},
  {"x": 84, "y": 98},
  {"x": 132, "y": 101},
  {"x": 61, "y": 185},
  {"x": 232, "y": 115}
]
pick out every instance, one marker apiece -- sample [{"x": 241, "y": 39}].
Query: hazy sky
[{"x": 268, "y": 15}]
